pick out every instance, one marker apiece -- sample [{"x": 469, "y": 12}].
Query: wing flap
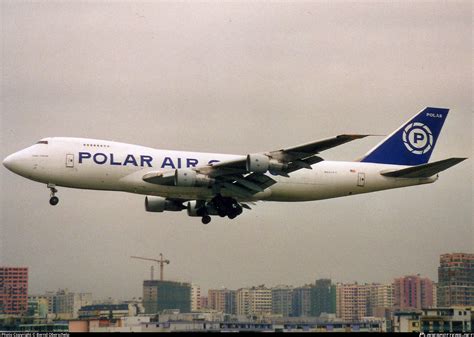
[
  {"x": 241, "y": 191},
  {"x": 249, "y": 185},
  {"x": 424, "y": 170},
  {"x": 305, "y": 163},
  {"x": 261, "y": 180}
]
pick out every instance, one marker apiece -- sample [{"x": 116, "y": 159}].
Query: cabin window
[
  {"x": 96, "y": 145},
  {"x": 42, "y": 142}
]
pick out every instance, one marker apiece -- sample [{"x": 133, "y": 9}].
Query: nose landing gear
[{"x": 53, "y": 201}]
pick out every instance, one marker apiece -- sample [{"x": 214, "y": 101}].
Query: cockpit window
[{"x": 42, "y": 142}]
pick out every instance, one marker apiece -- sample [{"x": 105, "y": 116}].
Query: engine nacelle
[
  {"x": 185, "y": 178},
  {"x": 201, "y": 208},
  {"x": 276, "y": 167},
  {"x": 196, "y": 207},
  {"x": 160, "y": 204},
  {"x": 189, "y": 178},
  {"x": 257, "y": 163},
  {"x": 260, "y": 163}
]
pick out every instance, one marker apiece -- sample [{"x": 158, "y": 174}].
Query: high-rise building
[
  {"x": 230, "y": 302},
  {"x": 195, "y": 297},
  {"x": 223, "y": 300},
  {"x": 301, "y": 301},
  {"x": 456, "y": 280},
  {"x": 260, "y": 300},
  {"x": 435, "y": 293},
  {"x": 323, "y": 297},
  {"x": 161, "y": 295},
  {"x": 66, "y": 304},
  {"x": 48, "y": 297},
  {"x": 204, "y": 302},
  {"x": 255, "y": 301},
  {"x": 352, "y": 301},
  {"x": 413, "y": 292},
  {"x": 37, "y": 307},
  {"x": 282, "y": 300},
  {"x": 13, "y": 290},
  {"x": 380, "y": 299},
  {"x": 215, "y": 299},
  {"x": 243, "y": 301}
]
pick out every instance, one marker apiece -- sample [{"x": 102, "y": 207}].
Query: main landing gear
[
  {"x": 226, "y": 206},
  {"x": 53, "y": 201},
  {"x": 222, "y": 206}
]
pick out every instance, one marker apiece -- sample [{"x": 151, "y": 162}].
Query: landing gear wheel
[
  {"x": 206, "y": 219},
  {"x": 53, "y": 201},
  {"x": 234, "y": 211}
]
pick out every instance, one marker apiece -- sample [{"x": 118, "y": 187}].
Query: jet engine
[
  {"x": 260, "y": 163},
  {"x": 160, "y": 204},
  {"x": 189, "y": 178},
  {"x": 276, "y": 167},
  {"x": 196, "y": 207},
  {"x": 257, "y": 163}
]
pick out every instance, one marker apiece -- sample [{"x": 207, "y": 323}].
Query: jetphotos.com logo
[
  {"x": 447, "y": 334},
  {"x": 418, "y": 138}
]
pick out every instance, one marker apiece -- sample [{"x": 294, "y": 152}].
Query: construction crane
[{"x": 161, "y": 262}]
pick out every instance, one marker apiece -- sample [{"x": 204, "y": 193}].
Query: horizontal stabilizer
[{"x": 424, "y": 170}]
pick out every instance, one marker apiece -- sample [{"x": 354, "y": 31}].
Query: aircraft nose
[
  {"x": 7, "y": 162},
  {"x": 11, "y": 162}
]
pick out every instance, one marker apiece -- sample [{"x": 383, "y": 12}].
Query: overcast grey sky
[{"x": 236, "y": 77}]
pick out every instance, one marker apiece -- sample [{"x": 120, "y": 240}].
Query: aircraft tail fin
[
  {"x": 424, "y": 170},
  {"x": 413, "y": 142}
]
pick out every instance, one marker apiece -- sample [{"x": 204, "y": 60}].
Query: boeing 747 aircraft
[{"x": 208, "y": 184}]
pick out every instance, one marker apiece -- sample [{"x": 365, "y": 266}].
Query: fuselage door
[
  {"x": 361, "y": 179},
  {"x": 69, "y": 160}
]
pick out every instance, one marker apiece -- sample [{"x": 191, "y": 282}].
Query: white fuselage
[{"x": 107, "y": 165}]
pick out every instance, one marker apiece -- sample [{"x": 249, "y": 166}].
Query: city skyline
[
  {"x": 171, "y": 75},
  {"x": 270, "y": 286},
  {"x": 347, "y": 300},
  {"x": 351, "y": 302},
  {"x": 274, "y": 285},
  {"x": 409, "y": 303}
]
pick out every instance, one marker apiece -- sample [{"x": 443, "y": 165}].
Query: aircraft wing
[
  {"x": 246, "y": 186},
  {"x": 294, "y": 158},
  {"x": 236, "y": 176},
  {"x": 309, "y": 149}
]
